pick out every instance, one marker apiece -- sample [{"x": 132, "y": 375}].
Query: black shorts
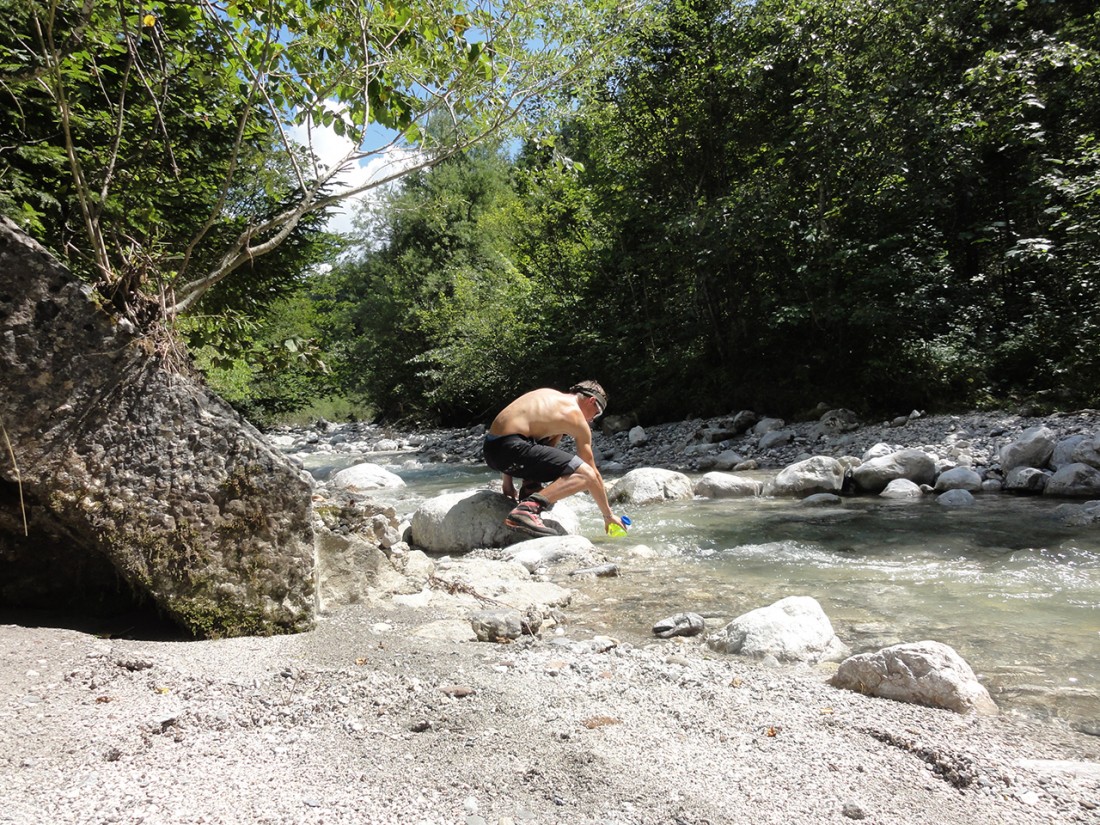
[{"x": 523, "y": 457}]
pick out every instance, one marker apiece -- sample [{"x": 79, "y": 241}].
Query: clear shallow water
[{"x": 1015, "y": 593}]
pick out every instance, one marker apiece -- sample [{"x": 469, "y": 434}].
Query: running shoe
[{"x": 525, "y": 518}]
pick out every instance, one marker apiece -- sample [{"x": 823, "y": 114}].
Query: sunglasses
[{"x": 601, "y": 405}]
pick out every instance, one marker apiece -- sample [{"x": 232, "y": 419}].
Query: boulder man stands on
[{"x": 522, "y": 442}]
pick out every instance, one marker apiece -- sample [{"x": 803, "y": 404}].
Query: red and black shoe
[{"x": 526, "y": 517}]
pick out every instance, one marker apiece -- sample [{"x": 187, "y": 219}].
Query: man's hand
[{"x": 509, "y": 487}]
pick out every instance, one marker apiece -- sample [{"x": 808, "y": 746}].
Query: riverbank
[
  {"x": 385, "y": 714},
  {"x": 370, "y": 719}
]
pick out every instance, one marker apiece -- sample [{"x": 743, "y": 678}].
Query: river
[{"x": 1002, "y": 582}]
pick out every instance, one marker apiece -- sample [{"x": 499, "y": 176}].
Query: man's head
[{"x": 591, "y": 389}]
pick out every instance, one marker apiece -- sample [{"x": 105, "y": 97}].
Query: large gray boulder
[
  {"x": 726, "y": 485},
  {"x": 959, "y": 478},
  {"x": 131, "y": 474},
  {"x": 819, "y": 474},
  {"x": 874, "y": 474},
  {"x": 465, "y": 521},
  {"x": 1074, "y": 481},
  {"x": 1087, "y": 451},
  {"x": 1033, "y": 448},
  {"x": 794, "y": 629},
  {"x": 1063, "y": 451},
  {"x": 361, "y": 478},
  {"x": 922, "y": 673},
  {"x": 648, "y": 485}
]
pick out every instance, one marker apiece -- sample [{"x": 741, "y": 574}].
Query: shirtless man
[{"x": 522, "y": 442}]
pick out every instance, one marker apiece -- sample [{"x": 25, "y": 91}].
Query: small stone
[
  {"x": 853, "y": 811},
  {"x": 457, "y": 691}
]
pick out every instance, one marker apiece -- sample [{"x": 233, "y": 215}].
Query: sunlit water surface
[{"x": 1002, "y": 582}]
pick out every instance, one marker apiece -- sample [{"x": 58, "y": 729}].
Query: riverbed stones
[
  {"x": 1026, "y": 480},
  {"x": 465, "y": 521},
  {"x": 1074, "y": 481},
  {"x": 874, "y": 474},
  {"x": 726, "y": 485},
  {"x": 794, "y": 629},
  {"x": 819, "y": 474},
  {"x": 680, "y": 624},
  {"x": 648, "y": 485},
  {"x": 497, "y": 625},
  {"x": 901, "y": 488},
  {"x": 924, "y": 673},
  {"x": 958, "y": 478},
  {"x": 361, "y": 478},
  {"x": 1032, "y": 449},
  {"x": 549, "y": 550}
]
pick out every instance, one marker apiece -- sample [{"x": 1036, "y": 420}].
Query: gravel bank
[
  {"x": 381, "y": 716},
  {"x": 366, "y": 720}
]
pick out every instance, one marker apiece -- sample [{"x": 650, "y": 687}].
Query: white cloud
[{"x": 331, "y": 149}]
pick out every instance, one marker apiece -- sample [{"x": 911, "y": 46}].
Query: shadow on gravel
[{"x": 139, "y": 624}]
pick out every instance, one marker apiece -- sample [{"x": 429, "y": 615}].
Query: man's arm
[{"x": 595, "y": 486}]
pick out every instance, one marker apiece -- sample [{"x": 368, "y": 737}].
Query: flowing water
[{"x": 1002, "y": 582}]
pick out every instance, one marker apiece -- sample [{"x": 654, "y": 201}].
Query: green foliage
[
  {"x": 840, "y": 202},
  {"x": 434, "y": 320},
  {"x": 152, "y": 146},
  {"x": 762, "y": 205},
  {"x": 270, "y": 366}
]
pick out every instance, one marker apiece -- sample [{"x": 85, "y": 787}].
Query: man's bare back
[{"x": 540, "y": 414}]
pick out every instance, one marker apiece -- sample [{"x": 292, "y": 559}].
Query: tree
[
  {"x": 166, "y": 128},
  {"x": 435, "y": 319}
]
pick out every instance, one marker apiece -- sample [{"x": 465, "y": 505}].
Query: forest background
[{"x": 706, "y": 205}]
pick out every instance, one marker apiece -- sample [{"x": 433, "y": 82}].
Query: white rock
[
  {"x": 364, "y": 477},
  {"x": 541, "y": 552},
  {"x": 775, "y": 438},
  {"x": 901, "y": 488},
  {"x": 460, "y": 522},
  {"x": 793, "y": 629},
  {"x": 767, "y": 425},
  {"x": 648, "y": 485},
  {"x": 873, "y": 475},
  {"x": 725, "y": 485},
  {"x": 923, "y": 673},
  {"x": 349, "y": 566},
  {"x": 1033, "y": 448},
  {"x": 819, "y": 474}
]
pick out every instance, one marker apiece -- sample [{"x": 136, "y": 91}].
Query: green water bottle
[{"x": 615, "y": 530}]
